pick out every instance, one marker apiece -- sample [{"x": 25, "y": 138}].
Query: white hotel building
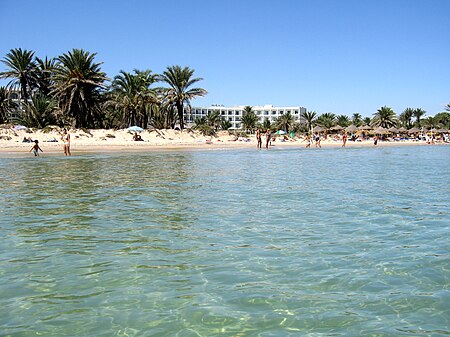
[{"x": 234, "y": 114}]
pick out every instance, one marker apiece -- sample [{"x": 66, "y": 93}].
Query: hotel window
[
  {"x": 258, "y": 113},
  {"x": 238, "y": 119},
  {"x": 266, "y": 113},
  {"x": 274, "y": 112},
  {"x": 238, "y": 125},
  {"x": 238, "y": 113},
  {"x": 295, "y": 112},
  {"x": 230, "y": 113}
]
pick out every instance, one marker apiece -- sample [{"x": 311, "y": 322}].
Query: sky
[{"x": 339, "y": 56}]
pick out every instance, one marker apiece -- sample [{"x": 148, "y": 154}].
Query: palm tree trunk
[{"x": 180, "y": 114}]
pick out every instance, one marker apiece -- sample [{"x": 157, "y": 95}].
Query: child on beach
[{"x": 36, "y": 148}]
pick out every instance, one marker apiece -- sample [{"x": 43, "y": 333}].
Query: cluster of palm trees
[
  {"x": 72, "y": 90},
  {"x": 385, "y": 117}
]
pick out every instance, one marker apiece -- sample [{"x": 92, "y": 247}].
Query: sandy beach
[{"x": 12, "y": 141}]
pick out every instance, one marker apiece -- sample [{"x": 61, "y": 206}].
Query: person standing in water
[
  {"x": 66, "y": 141},
  {"x": 268, "y": 137},
  {"x": 36, "y": 148},
  {"x": 344, "y": 139},
  {"x": 258, "y": 138}
]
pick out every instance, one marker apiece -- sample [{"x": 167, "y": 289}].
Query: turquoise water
[{"x": 286, "y": 242}]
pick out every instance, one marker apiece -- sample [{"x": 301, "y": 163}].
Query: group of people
[
  {"x": 65, "y": 137},
  {"x": 259, "y": 138}
]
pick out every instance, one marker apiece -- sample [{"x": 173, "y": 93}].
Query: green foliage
[
  {"x": 249, "y": 119},
  {"x": 357, "y": 119},
  {"x": 78, "y": 85},
  {"x": 285, "y": 122},
  {"x": 310, "y": 118},
  {"x": 406, "y": 118},
  {"x": 21, "y": 69},
  {"x": 343, "y": 120},
  {"x": 385, "y": 117},
  {"x": 40, "y": 112},
  {"x": 327, "y": 120},
  {"x": 443, "y": 119},
  {"x": 7, "y": 106},
  {"x": 179, "y": 93}
]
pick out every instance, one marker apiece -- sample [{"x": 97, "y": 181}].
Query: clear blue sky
[{"x": 340, "y": 56}]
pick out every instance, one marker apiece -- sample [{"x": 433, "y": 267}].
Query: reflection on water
[{"x": 347, "y": 242}]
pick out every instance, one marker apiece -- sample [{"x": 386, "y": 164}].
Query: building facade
[{"x": 234, "y": 114}]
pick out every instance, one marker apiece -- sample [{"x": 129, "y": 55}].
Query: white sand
[{"x": 122, "y": 140}]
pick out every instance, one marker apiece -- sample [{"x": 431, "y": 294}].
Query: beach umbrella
[
  {"x": 402, "y": 130},
  {"x": 318, "y": 129},
  {"x": 281, "y": 132},
  {"x": 392, "y": 130},
  {"x": 413, "y": 130},
  {"x": 20, "y": 127},
  {"x": 351, "y": 128},
  {"x": 135, "y": 128},
  {"x": 365, "y": 127},
  {"x": 336, "y": 128},
  {"x": 380, "y": 130}
]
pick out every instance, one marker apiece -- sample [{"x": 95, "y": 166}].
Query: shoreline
[{"x": 108, "y": 141}]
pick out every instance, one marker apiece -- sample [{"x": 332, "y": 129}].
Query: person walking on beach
[
  {"x": 317, "y": 139},
  {"x": 308, "y": 141},
  {"x": 268, "y": 137},
  {"x": 375, "y": 140},
  {"x": 258, "y": 138},
  {"x": 344, "y": 139},
  {"x": 66, "y": 142},
  {"x": 36, "y": 148}
]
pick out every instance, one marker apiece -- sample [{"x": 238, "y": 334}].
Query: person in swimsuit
[
  {"x": 308, "y": 141},
  {"x": 36, "y": 148},
  {"x": 317, "y": 139},
  {"x": 344, "y": 139},
  {"x": 258, "y": 138},
  {"x": 268, "y": 138},
  {"x": 66, "y": 141}
]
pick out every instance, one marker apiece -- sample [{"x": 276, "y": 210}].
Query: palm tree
[
  {"x": 343, "y": 121},
  {"x": 384, "y": 117},
  {"x": 6, "y": 105},
  {"x": 367, "y": 121},
  {"x": 44, "y": 75},
  {"x": 357, "y": 119},
  {"x": 418, "y": 113},
  {"x": 78, "y": 84},
  {"x": 447, "y": 107},
  {"x": 285, "y": 122},
  {"x": 406, "y": 116},
  {"x": 249, "y": 119},
  {"x": 131, "y": 94},
  {"x": 326, "y": 120},
  {"x": 180, "y": 92},
  {"x": 443, "y": 118},
  {"x": 266, "y": 124},
  {"x": 225, "y": 125},
  {"x": 431, "y": 122},
  {"x": 214, "y": 119},
  {"x": 309, "y": 117},
  {"x": 21, "y": 69},
  {"x": 39, "y": 112}
]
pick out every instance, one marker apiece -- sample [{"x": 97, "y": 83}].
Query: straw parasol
[
  {"x": 351, "y": 128},
  {"x": 413, "y": 130},
  {"x": 393, "y": 129},
  {"x": 336, "y": 128},
  {"x": 402, "y": 130},
  {"x": 318, "y": 129},
  {"x": 380, "y": 130},
  {"x": 365, "y": 127}
]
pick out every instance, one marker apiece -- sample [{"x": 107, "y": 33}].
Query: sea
[{"x": 241, "y": 242}]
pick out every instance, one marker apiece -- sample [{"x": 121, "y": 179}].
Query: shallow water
[{"x": 286, "y": 242}]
